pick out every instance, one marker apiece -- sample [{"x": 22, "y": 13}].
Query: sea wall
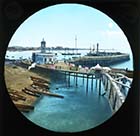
[
  {"x": 44, "y": 72},
  {"x": 102, "y": 60}
]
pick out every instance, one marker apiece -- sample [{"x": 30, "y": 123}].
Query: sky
[{"x": 60, "y": 24}]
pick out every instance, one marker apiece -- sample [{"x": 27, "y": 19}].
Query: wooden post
[
  {"x": 69, "y": 80},
  {"x": 74, "y": 76},
  {"x": 103, "y": 80},
  {"x": 96, "y": 83},
  {"x": 65, "y": 78},
  {"x": 87, "y": 85},
  {"x": 92, "y": 83},
  {"x": 83, "y": 78},
  {"x": 100, "y": 81},
  {"x": 76, "y": 80}
]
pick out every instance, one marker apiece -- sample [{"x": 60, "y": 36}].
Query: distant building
[{"x": 44, "y": 57}]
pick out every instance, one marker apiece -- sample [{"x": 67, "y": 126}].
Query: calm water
[{"x": 78, "y": 110}]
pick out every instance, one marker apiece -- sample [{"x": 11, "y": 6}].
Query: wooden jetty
[
  {"x": 116, "y": 82},
  {"x": 125, "y": 72}
]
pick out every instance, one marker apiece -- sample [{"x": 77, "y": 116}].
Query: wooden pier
[{"x": 116, "y": 82}]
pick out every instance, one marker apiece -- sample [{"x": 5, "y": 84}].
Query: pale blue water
[{"x": 79, "y": 110}]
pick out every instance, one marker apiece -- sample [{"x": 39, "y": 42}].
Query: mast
[{"x": 76, "y": 43}]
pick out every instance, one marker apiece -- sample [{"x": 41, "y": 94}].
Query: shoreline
[
  {"x": 17, "y": 78},
  {"x": 26, "y": 87}
]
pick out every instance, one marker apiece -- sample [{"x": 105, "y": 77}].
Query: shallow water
[{"x": 78, "y": 110}]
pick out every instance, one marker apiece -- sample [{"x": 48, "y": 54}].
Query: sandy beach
[{"x": 16, "y": 79}]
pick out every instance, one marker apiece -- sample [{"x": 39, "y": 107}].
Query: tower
[
  {"x": 43, "y": 46},
  {"x": 97, "y": 48}
]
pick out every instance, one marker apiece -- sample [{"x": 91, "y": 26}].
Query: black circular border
[{"x": 124, "y": 12}]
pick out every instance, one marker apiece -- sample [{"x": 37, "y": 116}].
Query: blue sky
[{"x": 59, "y": 24}]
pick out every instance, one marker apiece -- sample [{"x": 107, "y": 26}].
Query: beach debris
[
  {"x": 39, "y": 80},
  {"x": 41, "y": 85},
  {"x": 30, "y": 93},
  {"x": 32, "y": 90},
  {"x": 16, "y": 96}
]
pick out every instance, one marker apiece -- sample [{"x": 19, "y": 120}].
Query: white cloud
[
  {"x": 112, "y": 33},
  {"x": 110, "y": 25}
]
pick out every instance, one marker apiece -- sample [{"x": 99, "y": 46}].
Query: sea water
[{"x": 79, "y": 110}]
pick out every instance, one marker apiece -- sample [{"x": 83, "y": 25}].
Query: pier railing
[{"x": 116, "y": 88}]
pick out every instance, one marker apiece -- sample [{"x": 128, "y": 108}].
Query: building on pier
[{"x": 44, "y": 57}]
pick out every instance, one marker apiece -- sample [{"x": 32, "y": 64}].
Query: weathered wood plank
[
  {"x": 17, "y": 96},
  {"x": 42, "y": 85},
  {"x": 30, "y": 93},
  {"x": 39, "y": 80},
  {"x": 43, "y": 92}
]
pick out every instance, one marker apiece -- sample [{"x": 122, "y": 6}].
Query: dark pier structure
[
  {"x": 116, "y": 85},
  {"x": 102, "y": 58}
]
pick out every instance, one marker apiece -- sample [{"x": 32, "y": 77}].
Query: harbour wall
[{"x": 101, "y": 60}]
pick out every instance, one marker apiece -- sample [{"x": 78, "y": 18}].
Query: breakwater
[{"x": 102, "y": 60}]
